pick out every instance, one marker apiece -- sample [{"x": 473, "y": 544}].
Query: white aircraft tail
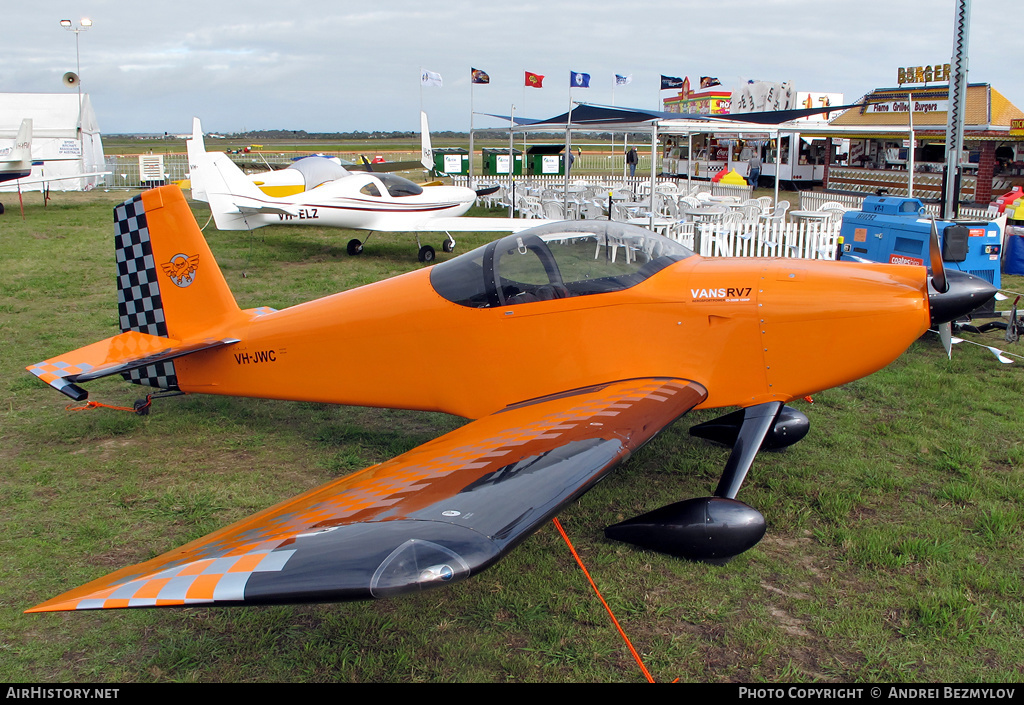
[
  {"x": 21, "y": 150},
  {"x": 234, "y": 200},
  {"x": 197, "y": 157},
  {"x": 426, "y": 151}
]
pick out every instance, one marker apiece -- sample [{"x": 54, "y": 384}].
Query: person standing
[
  {"x": 754, "y": 167},
  {"x": 632, "y": 159}
]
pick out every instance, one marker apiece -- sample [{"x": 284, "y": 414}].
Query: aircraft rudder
[
  {"x": 22, "y": 151},
  {"x": 168, "y": 282},
  {"x": 195, "y": 147},
  {"x": 426, "y": 151}
]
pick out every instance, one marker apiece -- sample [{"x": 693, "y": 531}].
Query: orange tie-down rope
[
  {"x": 96, "y": 404},
  {"x": 647, "y": 674}
]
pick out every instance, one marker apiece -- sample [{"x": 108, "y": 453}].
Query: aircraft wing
[
  {"x": 384, "y": 167},
  {"x": 439, "y": 513},
  {"x": 462, "y": 224},
  {"x": 46, "y": 179}
]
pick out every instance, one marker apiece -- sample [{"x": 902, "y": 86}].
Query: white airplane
[
  {"x": 335, "y": 197},
  {"x": 16, "y": 161}
]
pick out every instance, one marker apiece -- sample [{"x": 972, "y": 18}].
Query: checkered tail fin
[
  {"x": 171, "y": 299},
  {"x": 168, "y": 283}
]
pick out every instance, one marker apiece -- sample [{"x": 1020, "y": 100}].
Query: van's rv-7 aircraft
[
  {"x": 16, "y": 161},
  {"x": 628, "y": 344},
  {"x": 360, "y": 200}
]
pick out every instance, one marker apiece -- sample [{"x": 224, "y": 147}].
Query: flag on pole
[
  {"x": 534, "y": 80},
  {"x": 623, "y": 80},
  {"x": 579, "y": 80},
  {"x": 480, "y": 76},
  {"x": 430, "y": 78},
  {"x": 709, "y": 81},
  {"x": 669, "y": 82}
]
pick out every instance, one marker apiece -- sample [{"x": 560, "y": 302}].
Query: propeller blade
[
  {"x": 938, "y": 269},
  {"x": 946, "y": 336}
]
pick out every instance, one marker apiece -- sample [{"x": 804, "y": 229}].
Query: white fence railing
[
  {"x": 806, "y": 240},
  {"x": 640, "y": 185},
  {"x": 812, "y": 200}
]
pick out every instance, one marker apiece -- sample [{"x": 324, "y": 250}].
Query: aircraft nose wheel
[
  {"x": 355, "y": 247},
  {"x": 427, "y": 254}
]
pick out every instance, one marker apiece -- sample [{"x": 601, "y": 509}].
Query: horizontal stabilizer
[
  {"x": 253, "y": 206},
  {"x": 124, "y": 352}
]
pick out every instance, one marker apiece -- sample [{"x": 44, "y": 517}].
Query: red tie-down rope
[{"x": 647, "y": 674}]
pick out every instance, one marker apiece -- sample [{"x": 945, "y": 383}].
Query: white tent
[{"x": 60, "y": 131}]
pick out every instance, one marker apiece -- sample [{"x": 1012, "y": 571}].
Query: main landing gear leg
[{"x": 715, "y": 529}]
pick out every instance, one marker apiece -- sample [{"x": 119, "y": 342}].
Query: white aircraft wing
[
  {"x": 46, "y": 179},
  {"x": 463, "y": 224}
]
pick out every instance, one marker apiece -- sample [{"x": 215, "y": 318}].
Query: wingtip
[{"x": 57, "y": 604}]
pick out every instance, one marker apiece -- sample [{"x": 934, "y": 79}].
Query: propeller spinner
[{"x": 952, "y": 294}]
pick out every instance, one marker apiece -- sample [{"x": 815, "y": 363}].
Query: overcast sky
[{"x": 341, "y": 65}]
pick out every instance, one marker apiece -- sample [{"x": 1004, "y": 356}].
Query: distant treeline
[{"x": 258, "y": 135}]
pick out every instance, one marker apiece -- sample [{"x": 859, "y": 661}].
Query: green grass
[{"x": 892, "y": 554}]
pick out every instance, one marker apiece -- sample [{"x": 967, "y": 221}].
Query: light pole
[{"x": 83, "y": 25}]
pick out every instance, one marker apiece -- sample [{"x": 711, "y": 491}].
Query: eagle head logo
[{"x": 181, "y": 269}]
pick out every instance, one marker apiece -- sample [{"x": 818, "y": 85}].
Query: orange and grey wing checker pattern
[
  {"x": 442, "y": 511},
  {"x": 139, "y": 306}
]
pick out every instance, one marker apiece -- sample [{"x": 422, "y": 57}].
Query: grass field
[{"x": 892, "y": 553}]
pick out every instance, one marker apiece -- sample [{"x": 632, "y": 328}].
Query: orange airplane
[{"x": 580, "y": 340}]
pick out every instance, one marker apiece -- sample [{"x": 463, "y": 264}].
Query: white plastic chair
[
  {"x": 592, "y": 210},
  {"x": 778, "y": 214},
  {"x": 553, "y": 210},
  {"x": 751, "y": 212}
]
